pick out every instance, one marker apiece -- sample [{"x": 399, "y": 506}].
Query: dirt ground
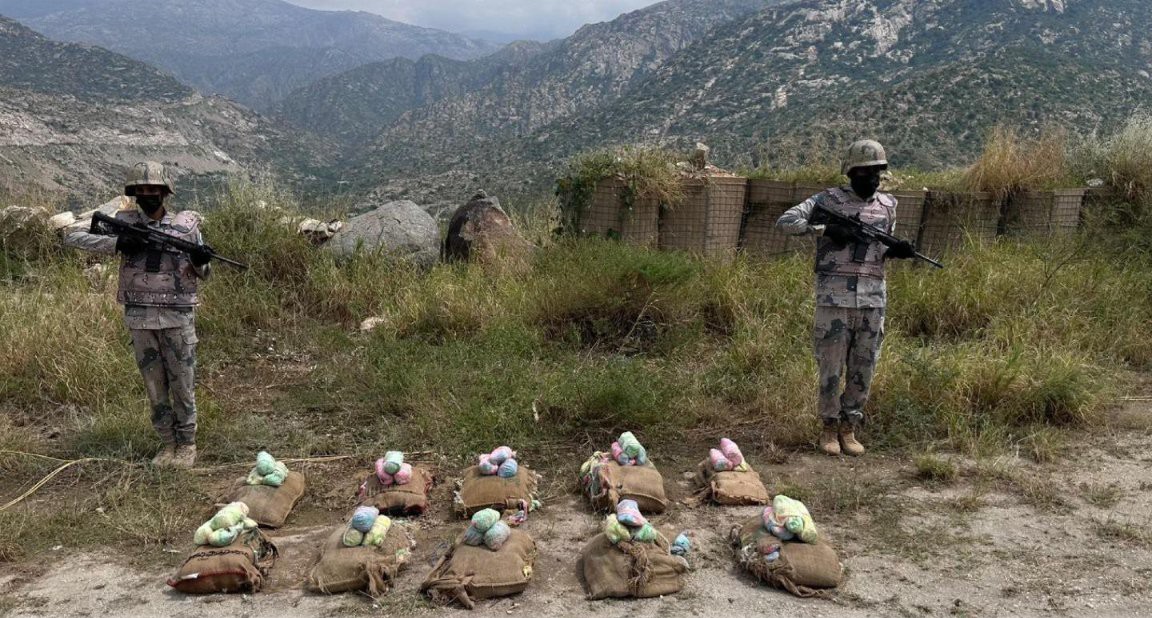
[{"x": 1006, "y": 538}]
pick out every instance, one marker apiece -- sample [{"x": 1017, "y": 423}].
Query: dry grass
[
  {"x": 1011, "y": 163},
  {"x": 935, "y": 469}
]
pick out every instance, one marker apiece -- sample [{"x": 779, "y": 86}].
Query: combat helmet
[
  {"x": 864, "y": 153},
  {"x": 147, "y": 173}
]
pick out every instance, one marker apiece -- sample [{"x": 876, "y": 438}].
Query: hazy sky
[{"x": 555, "y": 18}]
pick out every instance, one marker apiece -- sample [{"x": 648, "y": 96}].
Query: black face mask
[
  {"x": 865, "y": 185},
  {"x": 150, "y": 203}
]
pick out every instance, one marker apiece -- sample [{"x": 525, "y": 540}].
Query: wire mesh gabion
[
  {"x": 1042, "y": 212},
  {"x": 952, "y": 219},
  {"x": 610, "y": 215},
  {"x": 708, "y": 220}
]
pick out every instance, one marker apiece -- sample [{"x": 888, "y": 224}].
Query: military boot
[
  {"x": 828, "y": 438},
  {"x": 165, "y": 455},
  {"x": 185, "y": 456},
  {"x": 851, "y": 446}
]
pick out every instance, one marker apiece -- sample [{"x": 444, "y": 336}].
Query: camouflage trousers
[
  {"x": 167, "y": 360},
  {"x": 847, "y": 343}
]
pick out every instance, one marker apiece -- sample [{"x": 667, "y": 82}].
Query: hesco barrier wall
[
  {"x": 1042, "y": 212},
  {"x": 721, "y": 214},
  {"x": 610, "y": 215},
  {"x": 708, "y": 220},
  {"x": 952, "y": 219},
  {"x": 767, "y": 200},
  {"x": 909, "y": 212}
]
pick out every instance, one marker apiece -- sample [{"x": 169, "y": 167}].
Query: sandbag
[
  {"x": 371, "y": 569},
  {"x": 629, "y": 569},
  {"x": 467, "y": 574},
  {"x": 732, "y": 487},
  {"x": 239, "y": 567},
  {"x": 640, "y": 483},
  {"x": 479, "y": 492},
  {"x": 268, "y": 505},
  {"x": 398, "y": 500},
  {"x": 804, "y": 569}
]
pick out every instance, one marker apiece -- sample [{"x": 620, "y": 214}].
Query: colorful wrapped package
[
  {"x": 267, "y": 471},
  {"x": 793, "y": 516}
]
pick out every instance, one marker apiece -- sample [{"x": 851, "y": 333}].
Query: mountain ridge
[
  {"x": 223, "y": 45},
  {"x": 76, "y": 117}
]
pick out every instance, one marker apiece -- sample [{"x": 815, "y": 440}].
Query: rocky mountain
[
  {"x": 355, "y": 106},
  {"x": 253, "y": 51},
  {"x": 562, "y": 79},
  {"x": 928, "y": 77},
  {"x": 75, "y": 117}
]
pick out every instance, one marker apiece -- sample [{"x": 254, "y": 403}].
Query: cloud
[{"x": 554, "y": 18}]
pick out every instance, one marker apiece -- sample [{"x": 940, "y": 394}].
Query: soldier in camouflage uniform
[
  {"x": 850, "y": 291},
  {"x": 158, "y": 289}
]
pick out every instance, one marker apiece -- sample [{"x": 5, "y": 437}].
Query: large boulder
[
  {"x": 400, "y": 228},
  {"x": 481, "y": 231}
]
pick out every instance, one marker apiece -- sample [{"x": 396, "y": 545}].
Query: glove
[
  {"x": 130, "y": 245},
  {"x": 201, "y": 255},
  {"x": 840, "y": 234},
  {"x": 901, "y": 251}
]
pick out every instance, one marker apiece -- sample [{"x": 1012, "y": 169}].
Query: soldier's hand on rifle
[
  {"x": 201, "y": 255},
  {"x": 840, "y": 234},
  {"x": 902, "y": 250},
  {"x": 130, "y": 245}
]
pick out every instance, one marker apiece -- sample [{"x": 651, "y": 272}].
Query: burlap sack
[
  {"x": 467, "y": 574},
  {"x": 731, "y": 488},
  {"x": 479, "y": 492},
  {"x": 270, "y": 506},
  {"x": 408, "y": 500},
  {"x": 640, "y": 483},
  {"x": 371, "y": 569},
  {"x": 804, "y": 569},
  {"x": 638, "y": 570},
  {"x": 239, "y": 567}
]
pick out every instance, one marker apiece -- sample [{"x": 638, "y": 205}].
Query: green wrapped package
[
  {"x": 630, "y": 444},
  {"x": 485, "y": 519},
  {"x": 392, "y": 461},
  {"x": 795, "y": 517},
  {"x": 378, "y": 532},
  {"x": 614, "y": 530},
  {"x": 230, "y": 516},
  {"x": 277, "y": 476},
  {"x": 203, "y": 533},
  {"x": 353, "y": 538},
  {"x": 265, "y": 463},
  {"x": 225, "y": 536},
  {"x": 645, "y": 534}
]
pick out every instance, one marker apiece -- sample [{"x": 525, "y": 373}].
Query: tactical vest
[
  {"x": 155, "y": 277},
  {"x": 855, "y": 259}
]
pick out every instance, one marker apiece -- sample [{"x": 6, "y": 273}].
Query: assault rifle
[
  {"x": 864, "y": 231},
  {"x": 103, "y": 224}
]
